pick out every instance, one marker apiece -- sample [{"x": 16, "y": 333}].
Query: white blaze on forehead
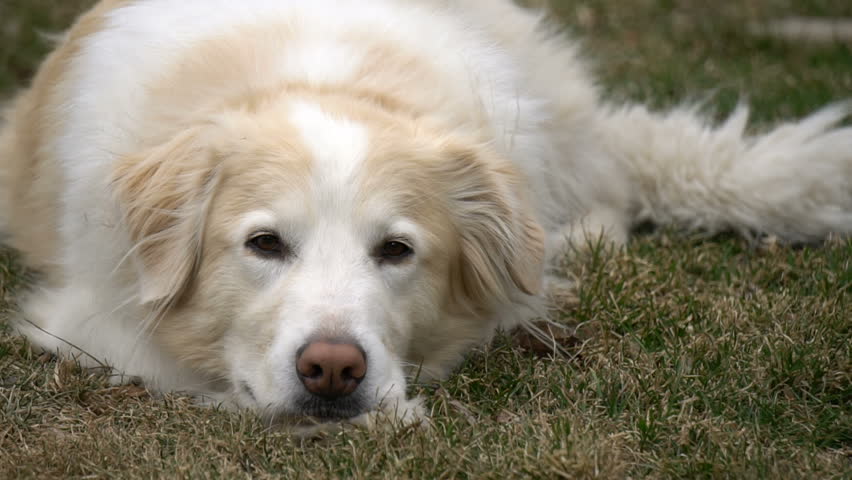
[{"x": 338, "y": 145}]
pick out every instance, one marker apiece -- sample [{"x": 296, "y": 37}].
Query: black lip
[
  {"x": 244, "y": 386},
  {"x": 329, "y": 410}
]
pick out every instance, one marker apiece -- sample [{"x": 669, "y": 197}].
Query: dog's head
[{"x": 313, "y": 252}]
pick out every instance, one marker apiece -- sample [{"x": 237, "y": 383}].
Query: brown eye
[
  {"x": 267, "y": 244},
  {"x": 394, "y": 250}
]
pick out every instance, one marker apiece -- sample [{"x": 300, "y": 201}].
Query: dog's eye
[
  {"x": 267, "y": 244},
  {"x": 394, "y": 251}
]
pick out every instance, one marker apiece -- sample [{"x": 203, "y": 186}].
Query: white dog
[{"x": 290, "y": 205}]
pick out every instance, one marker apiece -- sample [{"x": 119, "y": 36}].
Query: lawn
[{"x": 692, "y": 358}]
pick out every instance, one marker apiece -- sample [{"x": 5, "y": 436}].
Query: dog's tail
[{"x": 793, "y": 182}]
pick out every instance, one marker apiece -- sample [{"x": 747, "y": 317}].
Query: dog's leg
[
  {"x": 73, "y": 322},
  {"x": 603, "y": 224},
  {"x": 58, "y": 321}
]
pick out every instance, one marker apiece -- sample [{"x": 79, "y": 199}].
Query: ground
[{"x": 693, "y": 357}]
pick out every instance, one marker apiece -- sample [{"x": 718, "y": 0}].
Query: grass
[{"x": 700, "y": 358}]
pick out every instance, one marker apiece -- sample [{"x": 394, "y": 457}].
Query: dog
[{"x": 293, "y": 207}]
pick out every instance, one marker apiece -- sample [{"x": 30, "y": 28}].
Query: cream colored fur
[{"x": 160, "y": 136}]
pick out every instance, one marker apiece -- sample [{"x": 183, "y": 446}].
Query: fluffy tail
[{"x": 794, "y": 182}]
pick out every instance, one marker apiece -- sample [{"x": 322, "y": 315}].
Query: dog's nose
[{"x": 331, "y": 370}]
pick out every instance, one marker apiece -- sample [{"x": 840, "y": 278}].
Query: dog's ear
[
  {"x": 164, "y": 195},
  {"x": 502, "y": 244}
]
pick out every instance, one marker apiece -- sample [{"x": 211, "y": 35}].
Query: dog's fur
[{"x": 161, "y": 136}]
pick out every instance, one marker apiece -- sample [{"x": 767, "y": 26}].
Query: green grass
[
  {"x": 699, "y": 358},
  {"x": 25, "y": 28}
]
